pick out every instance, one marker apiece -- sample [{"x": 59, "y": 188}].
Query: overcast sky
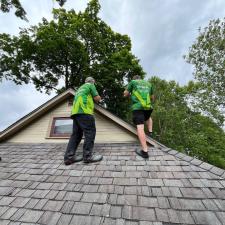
[{"x": 161, "y": 32}]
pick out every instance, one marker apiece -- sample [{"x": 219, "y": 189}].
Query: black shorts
[{"x": 140, "y": 116}]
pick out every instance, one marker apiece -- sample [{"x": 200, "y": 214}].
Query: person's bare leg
[
  {"x": 149, "y": 124},
  {"x": 141, "y": 136}
]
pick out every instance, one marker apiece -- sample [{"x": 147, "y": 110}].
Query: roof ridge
[{"x": 196, "y": 162}]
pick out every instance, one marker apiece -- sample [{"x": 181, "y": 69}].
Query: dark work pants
[{"x": 82, "y": 124}]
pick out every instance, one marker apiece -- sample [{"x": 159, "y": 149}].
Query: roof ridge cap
[{"x": 196, "y": 162}]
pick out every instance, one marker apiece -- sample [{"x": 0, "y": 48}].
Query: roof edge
[
  {"x": 13, "y": 128},
  {"x": 196, "y": 162}
]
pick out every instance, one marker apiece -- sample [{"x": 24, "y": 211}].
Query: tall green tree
[
  {"x": 7, "y": 5},
  {"x": 68, "y": 49},
  {"x": 207, "y": 55},
  {"x": 179, "y": 127}
]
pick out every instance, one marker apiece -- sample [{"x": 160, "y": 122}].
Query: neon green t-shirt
[
  {"x": 83, "y": 100},
  {"x": 141, "y": 91}
]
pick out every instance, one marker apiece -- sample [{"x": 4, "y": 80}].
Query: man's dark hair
[{"x": 136, "y": 77}]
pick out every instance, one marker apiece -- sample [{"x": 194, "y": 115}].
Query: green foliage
[
  {"x": 207, "y": 55},
  {"x": 7, "y": 5},
  {"x": 70, "y": 48},
  {"x": 179, "y": 127}
]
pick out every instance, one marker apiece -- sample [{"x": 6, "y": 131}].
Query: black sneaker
[
  {"x": 77, "y": 158},
  {"x": 94, "y": 158},
  {"x": 150, "y": 134},
  {"x": 142, "y": 153}
]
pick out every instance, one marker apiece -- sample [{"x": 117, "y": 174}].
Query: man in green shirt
[
  {"x": 141, "y": 93},
  {"x": 83, "y": 123}
]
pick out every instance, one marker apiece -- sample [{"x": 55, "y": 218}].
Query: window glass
[{"x": 61, "y": 127}]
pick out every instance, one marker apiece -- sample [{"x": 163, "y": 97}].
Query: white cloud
[{"x": 17, "y": 101}]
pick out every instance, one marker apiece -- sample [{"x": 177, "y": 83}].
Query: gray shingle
[
  {"x": 6, "y": 190},
  {"x": 190, "y": 204},
  {"x": 5, "y": 222},
  {"x": 67, "y": 206},
  {"x": 3, "y": 209},
  {"x": 31, "y": 216},
  {"x": 127, "y": 212},
  {"x": 185, "y": 217},
  {"x": 206, "y": 166},
  {"x": 83, "y": 220},
  {"x": 52, "y": 205},
  {"x": 6, "y": 201},
  {"x": 50, "y": 218},
  {"x": 127, "y": 200},
  {"x": 120, "y": 190},
  {"x": 81, "y": 208},
  {"x": 40, "y": 193},
  {"x": 205, "y": 217},
  {"x": 192, "y": 193},
  {"x": 40, "y": 204},
  {"x": 115, "y": 211},
  {"x": 140, "y": 213},
  {"x": 18, "y": 214},
  {"x": 221, "y": 217},
  {"x": 25, "y": 193},
  {"x": 20, "y": 202},
  {"x": 109, "y": 221},
  {"x": 9, "y": 213},
  {"x": 52, "y": 194},
  {"x": 147, "y": 201},
  {"x": 163, "y": 203},
  {"x": 94, "y": 197},
  {"x": 64, "y": 219},
  {"x": 73, "y": 196},
  {"x": 91, "y": 188},
  {"x": 162, "y": 215},
  {"x": 31, "y": 204},
  {"x": 155, "y": 182}
]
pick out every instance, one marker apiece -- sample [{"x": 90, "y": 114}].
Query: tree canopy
[
  {"x": 7, "y": 5},
  {"x": 179, "y": 127},
  {"x": 207, "y": 55},
  {"x": 67, "y": 49}
]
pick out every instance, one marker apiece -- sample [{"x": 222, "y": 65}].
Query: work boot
[
  {"x": 72, "y": 160},
  {"x": 93, "y": 158},
  {"x": 142, "y": 153}
]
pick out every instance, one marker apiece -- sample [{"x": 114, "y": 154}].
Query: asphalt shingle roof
[{"x": 123, "y": 189}]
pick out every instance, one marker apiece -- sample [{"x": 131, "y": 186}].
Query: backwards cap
[{"x": 89, "y": 80}]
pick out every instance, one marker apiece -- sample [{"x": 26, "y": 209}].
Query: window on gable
[{"x": 61, "y": 127}]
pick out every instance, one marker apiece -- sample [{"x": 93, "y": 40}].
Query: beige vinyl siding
[
  {"x": 109, "y": 131},
  {"x": 38, "y": 131}
]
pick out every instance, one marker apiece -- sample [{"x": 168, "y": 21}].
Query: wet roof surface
[{"x": 123, "y": 189}]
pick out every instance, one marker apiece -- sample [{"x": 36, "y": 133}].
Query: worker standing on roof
[
  {"x": 141, "y": 92},
  {"x": 83, "y": 123}
]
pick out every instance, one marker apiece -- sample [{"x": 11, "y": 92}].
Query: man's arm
[
  {"x": 95, "y": 94},
  {"x": 126, "y": 93},
  {"x": 152, "y": 98},
  {"x": 97, "y": 98},
  {"x": 151, "y": 93}
]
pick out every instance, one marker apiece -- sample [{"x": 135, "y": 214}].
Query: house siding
[{"x": 38, "y": 131}]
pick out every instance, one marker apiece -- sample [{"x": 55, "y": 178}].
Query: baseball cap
[{"x": 89, "y": 80}]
